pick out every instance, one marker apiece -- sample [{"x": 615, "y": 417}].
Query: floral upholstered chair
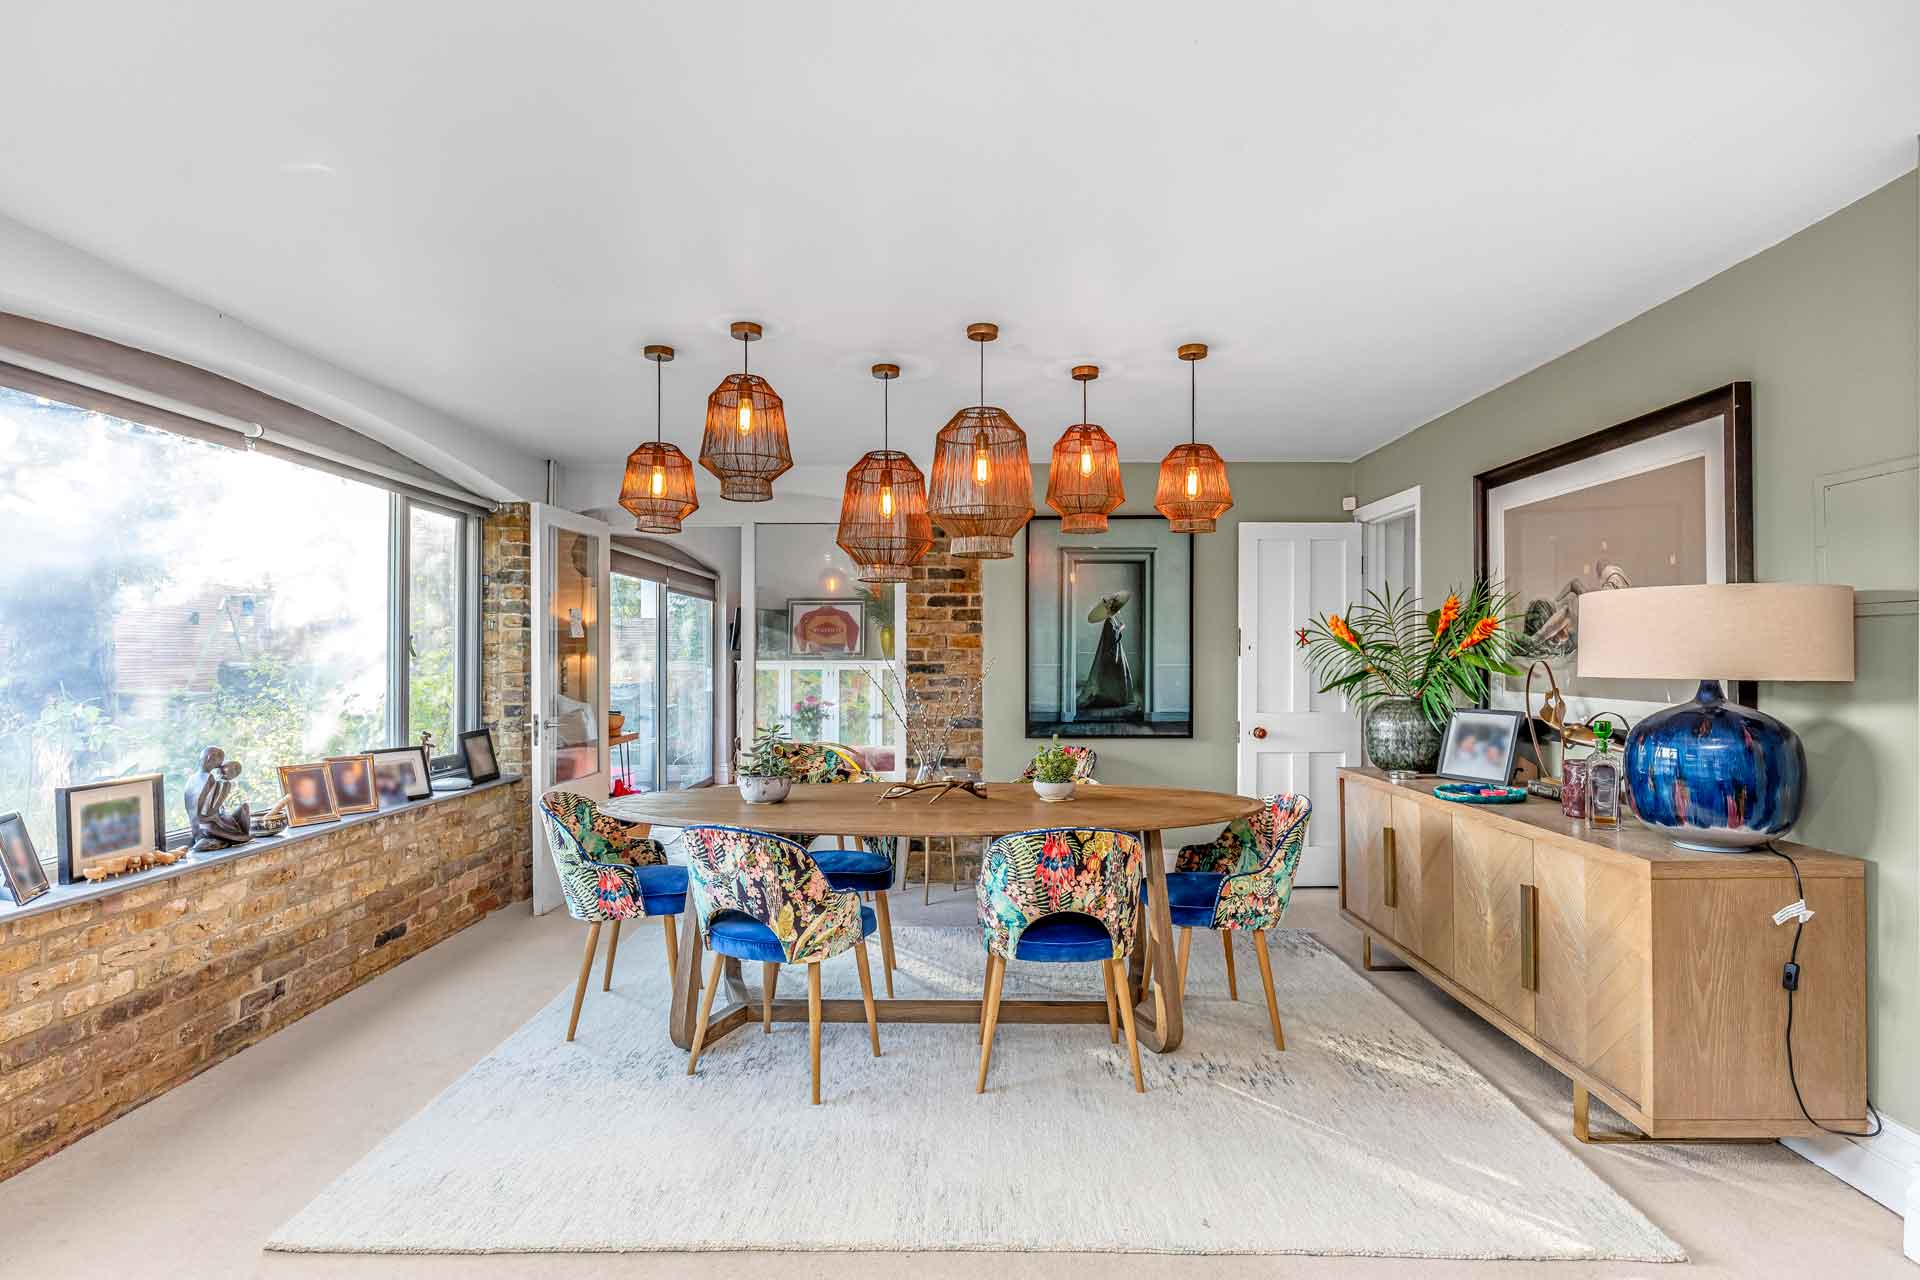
[
  {"x": 1240, "y": 881},
  {"x": 867, "y": 869},
  {"x": 762, "y": 897},
  {"x": 1084, "y": 760},
  {"x": 1061, "y": 896},
  {"x": 609, "y": 871}
]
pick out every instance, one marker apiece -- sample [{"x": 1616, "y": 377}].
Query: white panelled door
[{"x": 1292, "y": 737}]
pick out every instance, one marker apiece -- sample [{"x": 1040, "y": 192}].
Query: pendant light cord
[
  {"x": 656, "y": 402},
  {"x": 1083, "y": 402},
  {"x": 983, "y": 374},
  {"x": 746, "y": 355},
  {"x": 886, "y": 399},
  {"x": 1193, "y": 401}
]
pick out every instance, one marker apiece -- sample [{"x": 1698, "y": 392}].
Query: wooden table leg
[
  {"x": 686, "y": 987},
  {"x": 1162, "y": 1028}
]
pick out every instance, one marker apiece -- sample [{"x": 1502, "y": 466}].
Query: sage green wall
[
  {"x": 1261, "y": 491},
  {"x": 1826, "y": 325}
]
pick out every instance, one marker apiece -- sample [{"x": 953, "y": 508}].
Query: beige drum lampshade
[{"x": 1731, "y": 631}]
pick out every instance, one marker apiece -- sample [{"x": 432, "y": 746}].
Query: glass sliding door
[{"x": 662, "y": 651}]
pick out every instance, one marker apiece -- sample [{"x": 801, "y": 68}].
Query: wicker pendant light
[
  {"x": 883, "y": 513},
  {"x": 1192, "y": 493},
  {"x": 1083, "y": 482},
  {"x": 658, "y": 487},
  {"x": 746, "y": 440},
  {"x": 982, "y": 492}
]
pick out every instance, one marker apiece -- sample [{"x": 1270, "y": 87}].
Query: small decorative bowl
[
  {"x": 1479, "y": 793},
  {"x": 756, "y": 790}
]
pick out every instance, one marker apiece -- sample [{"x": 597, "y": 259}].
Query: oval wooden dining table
[{"x": 859, "y": 809}]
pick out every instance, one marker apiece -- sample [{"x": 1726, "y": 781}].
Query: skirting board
[{"x": 1886, "y": 1168}]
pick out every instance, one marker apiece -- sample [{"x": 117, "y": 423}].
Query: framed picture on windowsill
[
  {"x": 98, "y": 822},
  {"x": 476, "y": 748},
  {"x": 20, "y": 866},
  {"x": 401, "y": 774}
]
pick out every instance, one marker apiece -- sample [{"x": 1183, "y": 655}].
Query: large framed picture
[
  {"x": 98, "y": 822},
  {"x": 826, "y": 627},
  {"x": 1665, "y": 499},
  {"x": 1110, "y": 630},
  {"x": 20, "y": 866}
]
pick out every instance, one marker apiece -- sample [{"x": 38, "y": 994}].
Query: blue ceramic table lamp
[{"x": 1712, "y": 774}]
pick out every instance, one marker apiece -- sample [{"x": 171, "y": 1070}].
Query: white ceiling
[{"x": 1372, "y": 211}]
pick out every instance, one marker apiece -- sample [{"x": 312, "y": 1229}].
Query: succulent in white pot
[
  {"x": 766, "y": 774},
  {"x": 1053, "y": 770}
]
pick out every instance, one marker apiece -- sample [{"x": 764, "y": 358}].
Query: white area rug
[{"x": 1366, "y": 1137}]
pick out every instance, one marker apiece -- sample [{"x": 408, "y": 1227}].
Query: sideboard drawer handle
[
  {"x": 1390, "y": 891},
  {"x": 1529, "y": 938}
]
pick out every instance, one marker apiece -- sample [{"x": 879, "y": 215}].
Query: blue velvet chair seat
[
  {"x": 1190, "y": 897},
  {"x": 732, "y": 933},
  {"x": 663, "y": 889},
  {"x": 855, "y": 870},
  {"x": 1066, "y": 938}
]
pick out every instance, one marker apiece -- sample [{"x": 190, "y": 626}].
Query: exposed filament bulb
[
  {"x": 746, "y": 413},
  {"x": 1086, "y": 461},
  {"x": 886, "y": 501},
  {"x": 1193, "y": 482},
  {"x": 980, "y": 469},
  {"x": 659, "y": 481}
]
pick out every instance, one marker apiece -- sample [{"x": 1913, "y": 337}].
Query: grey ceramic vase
[{"x": 1400, "y": 739}]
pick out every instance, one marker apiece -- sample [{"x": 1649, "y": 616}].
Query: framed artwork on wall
[
  {"x": 826, "y": 627},
  {"x": 99, "y": 822},
  {"x": 1109, "y": 631},
  {"x": 1665, "y": 499}
]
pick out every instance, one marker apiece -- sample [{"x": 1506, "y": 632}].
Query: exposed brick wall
[
  {"x": 943, "y": 645},
  {"x": 109, "y": 1003},
  {"x": 506, "y": 633}
]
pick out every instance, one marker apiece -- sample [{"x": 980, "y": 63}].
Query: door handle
[
  {"x": 1529, "y": 937},
  {"x": 1390, "y": 858},
  {"x": 1259, "y": 731}
]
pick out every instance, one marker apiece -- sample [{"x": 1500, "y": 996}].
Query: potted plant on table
[
  {"x": 1053, "y": 769},
  {"x": 766, "y": 772},
  {"x": 1406, "y": 666}
]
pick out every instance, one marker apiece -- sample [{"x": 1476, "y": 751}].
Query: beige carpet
[{"x": 1367, "y": 1137}]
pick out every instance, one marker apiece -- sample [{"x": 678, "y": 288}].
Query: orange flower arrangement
[{"x": 1387, "y": 647}]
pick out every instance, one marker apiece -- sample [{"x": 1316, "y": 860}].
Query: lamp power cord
[{"x": 1790, "y": 979}]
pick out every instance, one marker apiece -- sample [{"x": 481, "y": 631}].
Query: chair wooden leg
[
  {"x": 1266, "y": 980},
  {"x": 866, "y": 993},
  {"x": 1126, "y": 1017},
  {"x": 953, "y": 865},
  {"x": 613, "y": 945},
  {"x": 1233, "y": 983},
  {"x": 1113, "y": 1011},
  {"x": 996, "y": 973},
  {"x": 886, "y": 938},
  {"x": 1186, "y": 950},
  {"x": 1146, "y": 969},
  {"x": 986, "y": 984},
  {"x": 926, "y": 869},
  {"x": 673, "y": 948},
  {"x": 706, "y": 1007},
  {"x": 769, "y": 982},
  {"x": 586, "y": 971},
  {"x": 813, "y": 1025}
]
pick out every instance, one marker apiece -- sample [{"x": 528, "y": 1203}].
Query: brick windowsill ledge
[
  {"x": 66, "y": 895},
  {"x": 113, "y": 993}
]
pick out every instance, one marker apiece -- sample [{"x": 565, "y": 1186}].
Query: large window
[
  {"x": 822, "y": 639},
  {"x": 161, "y": 594},
  {"x": 661, "y": 681}
]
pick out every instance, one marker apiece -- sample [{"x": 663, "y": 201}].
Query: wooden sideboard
[{"x": 1649, "y": 975}]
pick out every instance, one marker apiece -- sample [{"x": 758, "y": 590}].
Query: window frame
[
  {"x": 466, "y": 609},
  {"x": 657, "y": 779}
]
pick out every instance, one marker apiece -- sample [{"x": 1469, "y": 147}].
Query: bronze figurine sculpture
[{"x": 213, "y": 825}]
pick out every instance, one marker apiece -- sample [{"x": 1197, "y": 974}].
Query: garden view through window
[{"x": 242, "y": 603}]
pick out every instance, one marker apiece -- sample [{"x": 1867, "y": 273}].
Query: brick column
[
  {"x": 943, "y": 645},
  {"x": 506, "y": 634}
]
